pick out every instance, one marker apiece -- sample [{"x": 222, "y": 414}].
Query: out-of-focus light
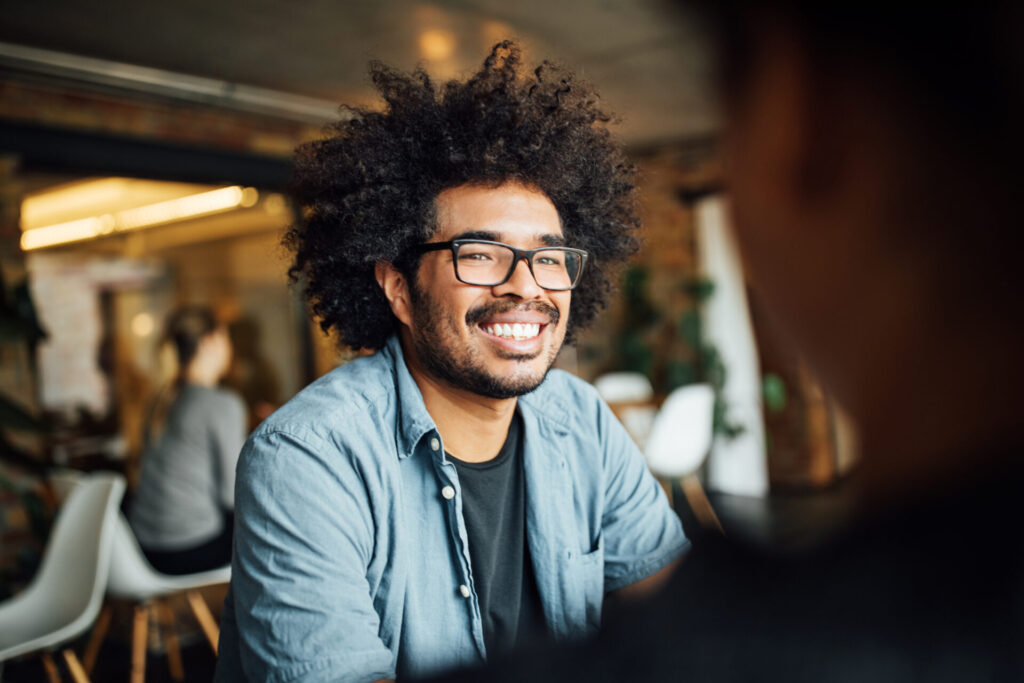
[
  {"x": 86, "y": 197},
  {"x": 177, "y": 209},
  {"x": 249, "y": 198},
  {"x": 275, "y": 204},
  {"x": 142, "y": 325},
  {"x": 72, "y": 231},
  {"x": 160, "y": 213},
  {"x": 436, "y": 45}
]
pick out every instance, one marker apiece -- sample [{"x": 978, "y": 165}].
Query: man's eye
[
  {"x": 473, "y": 256},
  {"x": 548, "y": 261}
]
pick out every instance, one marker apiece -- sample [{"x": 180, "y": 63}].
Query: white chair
[
  {"x": 133, "y": 578},
  {"x": 624, "y": 387},
  {"x": 631, "y": 397},
  {"x": 680, "y": 440},
  {"x": 66, "y": 593}
]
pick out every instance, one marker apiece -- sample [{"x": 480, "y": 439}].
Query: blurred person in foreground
[
  {"x": 874, "y": 167},
  {"x": 181, "y": 512},
  {"x": 449, "y": 496}
]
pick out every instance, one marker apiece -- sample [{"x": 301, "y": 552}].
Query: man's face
[{"x": 459, "y": 332}]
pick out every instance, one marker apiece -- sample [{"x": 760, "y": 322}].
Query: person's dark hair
[
  {"x": 185, "y": 328},
  {"x": 961, "y": 63},
  {"x": 952, "y": 75},
  {"x": 367, "y": 191}
]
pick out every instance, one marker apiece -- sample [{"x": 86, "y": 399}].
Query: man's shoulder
[{"x": 355, "y": 395}]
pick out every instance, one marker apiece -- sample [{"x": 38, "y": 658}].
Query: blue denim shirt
[{"x": 351, "y": 562}]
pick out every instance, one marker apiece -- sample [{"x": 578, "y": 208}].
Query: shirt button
[
  {"x": 448, "y": 492},
  {"x": 435, "y": 444},
  {"x": 464, "y": 590}
]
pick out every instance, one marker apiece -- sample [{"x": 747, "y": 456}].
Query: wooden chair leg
[
  {"x": 205, "y": 619},
  {"x": 99, "y": 632},
  {"x": 51, "y": 668},
  {"x": 699, "y": 503},
  {"x": 139, "y": 626},
  {"x": 75, "y": 667},
  {"x": 166, "y": 615}
]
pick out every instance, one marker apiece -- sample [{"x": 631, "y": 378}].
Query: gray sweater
[{"x": 188, "y": 473}]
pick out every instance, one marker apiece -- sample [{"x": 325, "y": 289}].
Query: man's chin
[
  {"x": 504, "y": 388},
  {"x": 510, "y": 378}
]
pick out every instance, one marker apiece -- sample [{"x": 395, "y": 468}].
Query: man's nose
[{"x": 522, "y": 283}]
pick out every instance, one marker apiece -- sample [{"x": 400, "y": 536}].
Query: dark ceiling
[{"x": 650, "y": 66}]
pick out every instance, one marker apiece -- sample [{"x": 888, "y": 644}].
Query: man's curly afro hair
[{"x": 367, "y": 191}]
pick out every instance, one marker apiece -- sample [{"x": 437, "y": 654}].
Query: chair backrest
[
  {"x": 131, "y": 575},
  {"x": 681, "y": 435},
  {"x": 624, "y": 387},
  {"x": 66, "y": 593},
  {"x": 77, "y": 556}
]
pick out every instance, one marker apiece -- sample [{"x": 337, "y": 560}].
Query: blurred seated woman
[{"x": 182, "y": 510}]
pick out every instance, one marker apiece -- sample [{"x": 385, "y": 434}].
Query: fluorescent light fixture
[
  {"x": 86, "y": 198},
  {"x": 160, "y": 213}
]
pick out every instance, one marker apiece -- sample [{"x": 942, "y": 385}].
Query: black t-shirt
[{"x": 494, "y": 508}]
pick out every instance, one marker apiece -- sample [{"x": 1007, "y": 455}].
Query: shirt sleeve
[
  {"x": 228, "y": 433},
  {"x": 641, "y": 532},
  {"x": 303, "y": 539}
]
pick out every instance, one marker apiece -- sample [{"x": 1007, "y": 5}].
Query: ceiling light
[{"x": 160, "y": 213}]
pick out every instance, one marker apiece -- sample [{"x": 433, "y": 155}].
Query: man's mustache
[{"x": 477, "y": 315}]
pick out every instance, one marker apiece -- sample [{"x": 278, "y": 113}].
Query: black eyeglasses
[{"x": 489, "y": 264}]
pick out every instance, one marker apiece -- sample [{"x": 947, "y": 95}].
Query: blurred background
[{"x": 144, "y": 156}]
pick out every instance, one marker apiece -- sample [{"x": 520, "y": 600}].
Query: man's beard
[{"x": 463, "y": 368}]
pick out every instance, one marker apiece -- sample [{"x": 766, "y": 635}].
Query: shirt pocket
[{"x": 587, "y": 570}]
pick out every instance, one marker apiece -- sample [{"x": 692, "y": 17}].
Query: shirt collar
[{"x": 414, "y": 422}]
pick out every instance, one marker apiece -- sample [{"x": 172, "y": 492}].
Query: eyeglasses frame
[{"x": 517, "y": 256}]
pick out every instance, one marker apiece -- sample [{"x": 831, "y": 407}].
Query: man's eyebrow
[
  {"x": 551, "y": 240},
  {"x": 478, "y": 235}
]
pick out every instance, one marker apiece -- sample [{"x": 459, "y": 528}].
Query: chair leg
[
  {"x": 205, "y": 619},
  {"x": 139, "y": 627},
  {"x": 166, "y": 615},
  {"x": 700, "y": 504},
  {"x": 75, "y": 667},
  {"x": 51, "y": 668},
  {"x": 99, "y": 632}
]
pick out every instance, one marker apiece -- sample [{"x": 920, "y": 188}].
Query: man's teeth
[{"x": 517, "y": 331}]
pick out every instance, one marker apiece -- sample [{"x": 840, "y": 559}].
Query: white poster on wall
[
  {"x": 67, "y": 301},
  {"x": 736, "y": 465}
]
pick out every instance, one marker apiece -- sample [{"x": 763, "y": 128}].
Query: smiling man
[{"x": 449, "y": 496}]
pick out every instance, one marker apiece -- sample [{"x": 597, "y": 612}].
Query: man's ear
[{"x": 396, "y": 290}]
